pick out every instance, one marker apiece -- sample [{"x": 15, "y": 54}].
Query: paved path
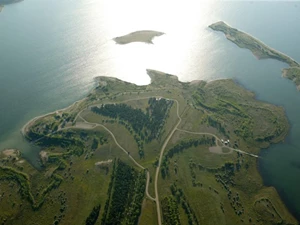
[{"x": 126, "y": 152}]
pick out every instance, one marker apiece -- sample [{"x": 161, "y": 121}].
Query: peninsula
[
  {"x": 145, "y": 36},
  {"x": 258, "y": 48},
  {"x": 169, "y": 152}
]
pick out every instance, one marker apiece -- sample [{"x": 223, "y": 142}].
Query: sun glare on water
[{"x": 177, "y": 52}]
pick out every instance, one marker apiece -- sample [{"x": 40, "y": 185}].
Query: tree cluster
[
  {"x": 126, "y": 192},
  {"x": 92, "y": 218},
  {"x": 170, "y": 211},
  {"x": 182, "y": 145},
  {"x": 145, "y": 126},
  {"x": 182, "y": 200}
]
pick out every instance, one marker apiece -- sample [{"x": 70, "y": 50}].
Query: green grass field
[{"x": 88, "y": 177}]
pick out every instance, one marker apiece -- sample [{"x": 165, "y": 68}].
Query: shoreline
[
  {"x": 215, "y": 27},
  {"x": 27, "y": 125},
  {"x": 155, "y": 74},
  {"x": 265, "y": 45},
  {"x": 293, "y": 74},
  {"x": 163, "y": 79},
  {"x": 30, "y": 122},
  {"x": 259, "y": 49}
]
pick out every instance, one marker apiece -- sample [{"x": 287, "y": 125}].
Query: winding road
[
  {"x": 175, "y": 128},
  {"x": 159, "y": 163},
  {"x": 233, "y": 149},
  {"x": 125, "y": 151}
]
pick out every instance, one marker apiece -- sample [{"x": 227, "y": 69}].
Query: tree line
[
  {"x": 145, "y": 126},
  {"x": 126, "y": 192},
  {"x": 182, "y": 145}
]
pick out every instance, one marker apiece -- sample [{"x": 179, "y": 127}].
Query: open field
[
  {"x": 216, "y": 195},
  {"x": 150, "y": 154},
  {"x": 259, "y": 49},
  {"x": 145, "y": 36}
]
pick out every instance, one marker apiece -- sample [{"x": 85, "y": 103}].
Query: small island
[
  {"x": 145, "y": 36},
  {"x": 169, "y": 152},
  {"x": 259, "y": 49},
  {"x": 1, "y": 7}
]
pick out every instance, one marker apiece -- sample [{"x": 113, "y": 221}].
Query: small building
[{"x": 222, "y": 140}]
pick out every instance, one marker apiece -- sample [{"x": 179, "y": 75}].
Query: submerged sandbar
[{"x": 145, "y": 36}]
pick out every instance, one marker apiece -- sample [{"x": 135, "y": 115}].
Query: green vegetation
[
  {"x": 259, "y": 49},
  {"x": 93, "y": 157},
  {"x": 21, "y": 178},
  {"x": 145, "y": 126},
  {"x": 170, "y": 211},
  {"x": 126, "y": 193},
  {"x": 7, "y": 173},
  {"x": 179, "y": 148},
  {"x": 92, "y": 218},
  {"x": 292, "y": 73},
  {"x": 217, "y": 194},
  {"x": 182, "y": 200},
  {"x": 239, "y": 115}
]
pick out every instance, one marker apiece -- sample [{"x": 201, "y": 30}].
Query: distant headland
[
  {"x": 145, "y": 36},
  {"x": 259, "y": 49}
]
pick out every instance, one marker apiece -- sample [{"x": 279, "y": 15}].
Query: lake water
[{"x": 52, "y": 50}]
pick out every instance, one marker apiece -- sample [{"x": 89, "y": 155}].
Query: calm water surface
[{"x": 52, "y": 50}]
